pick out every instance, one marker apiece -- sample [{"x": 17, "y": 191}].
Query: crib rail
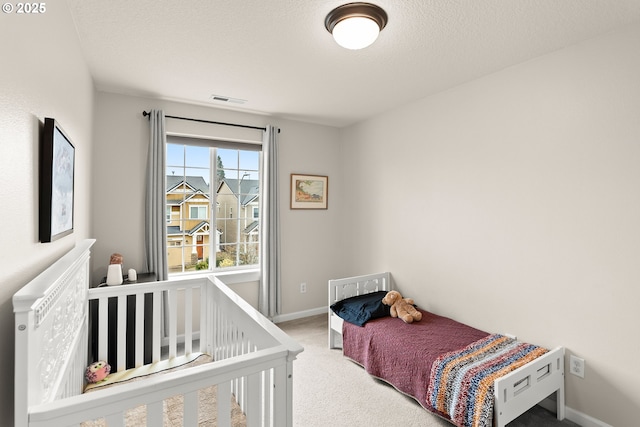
[
  {"x": 170, "y": 318},
  {"x": 266, "y": 375},
  {"x": 188, "y": 315},
  {"x": 252, "y": 357}
]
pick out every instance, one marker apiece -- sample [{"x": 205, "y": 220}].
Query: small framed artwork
[
  {"x": 57, "y": 163},
  {"x": 309, "y": 191}
]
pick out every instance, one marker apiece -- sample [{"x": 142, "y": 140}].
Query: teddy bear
[
  {"x": 97, "y": 371},
  {"x": 401, "y": 307}
]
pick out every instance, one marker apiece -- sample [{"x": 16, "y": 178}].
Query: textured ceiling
[{"x": 277, "y": 55}]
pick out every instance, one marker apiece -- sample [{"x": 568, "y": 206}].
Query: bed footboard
[
  {"x": 340, "y": 289},
  {"x": 520, "y": 390}
]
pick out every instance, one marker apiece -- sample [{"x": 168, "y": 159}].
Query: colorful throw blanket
[{"x": 461, "y": 382}]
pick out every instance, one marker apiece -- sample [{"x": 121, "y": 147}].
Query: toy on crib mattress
[
  {"x": 401, "y": 307},
  {"x": 97, "y": 371}
]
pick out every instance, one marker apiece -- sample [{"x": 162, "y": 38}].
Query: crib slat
[
  {"x": 121, "y": 341},
  {"x": 188, "y": 320},
  {"x": 253, "y": 400},
  {"x": 190, "y": 410},
  {"x": 173, "y": 323},
  {"x": 280, "y": 392},
  {"x": 103, "y": 324},
  {"x": 205, "y": 318},
  {"x": 154, "y": 414},
  {"x": 240, "y": 393},
  {"x": 224, "y": 404},
  {"x": 219, "y": 331},
  {"x": 156, "y": 341},
  {"x": 139, "y": 330},
  {"x": 115, "y": 420},
  {"x": 267, "y": 387}
]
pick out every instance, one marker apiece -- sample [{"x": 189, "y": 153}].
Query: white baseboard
[
  {"x": 583, "y": 420},
  {"x": 299, "y": 314},
  {"x": 573, "y": 415}
]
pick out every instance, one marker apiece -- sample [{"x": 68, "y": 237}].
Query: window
[
  {"x": 202, "y": 174},
  {"x": 198, "y": 212}
]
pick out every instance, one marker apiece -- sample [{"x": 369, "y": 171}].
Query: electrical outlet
[
  {"x": 303, "y": 288},
  {"x": 576, "y": 366}
]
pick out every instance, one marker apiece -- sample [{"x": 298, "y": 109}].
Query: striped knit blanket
[{"x": 461, "y": 382}]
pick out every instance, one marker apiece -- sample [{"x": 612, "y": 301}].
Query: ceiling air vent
[{"x": 227, "y": 99}]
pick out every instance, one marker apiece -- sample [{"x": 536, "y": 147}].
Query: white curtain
[
  {"x": 155, "y": 205},
  {"x": 269, "y": 302}
]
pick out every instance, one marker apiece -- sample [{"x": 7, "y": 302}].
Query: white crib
[{"x": 252, "y": 358}]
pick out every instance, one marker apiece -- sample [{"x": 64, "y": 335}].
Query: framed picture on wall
[
  {"x": 57, "y": 164},
  {"x": 309, "y": 191}
]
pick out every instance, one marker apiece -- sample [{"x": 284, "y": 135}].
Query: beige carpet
[
  {"x": 173, "y": 407},
  {"x": 330, "y": 390}
]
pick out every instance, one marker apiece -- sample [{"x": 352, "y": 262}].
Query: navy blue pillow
[{"x": 362, "y": 308}]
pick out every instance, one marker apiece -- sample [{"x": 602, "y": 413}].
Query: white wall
[
  {"x": 42, "y": 75},
  {"x": 309, "y": 252},
  {"x": 512, "y": 203}
]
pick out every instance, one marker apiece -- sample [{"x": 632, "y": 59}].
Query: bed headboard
[
  {"x": 51, "y": 332},
  {"x": 340, "y": 289}
]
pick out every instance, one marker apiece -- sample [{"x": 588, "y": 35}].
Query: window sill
[
  {"x": 238, "y": 276},
  {"x": 227, "y": 277}
]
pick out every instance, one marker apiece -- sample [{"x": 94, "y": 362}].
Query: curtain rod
[{"x": 146, "y": 114}]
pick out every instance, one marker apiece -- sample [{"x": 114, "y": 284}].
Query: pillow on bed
[{"x": 362, "y": 308}]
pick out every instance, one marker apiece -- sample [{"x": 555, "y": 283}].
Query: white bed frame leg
[
  {"x": 335, "y": 338},
  {"x": 560, "y": 409}
]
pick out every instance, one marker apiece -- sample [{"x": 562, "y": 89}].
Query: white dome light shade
[
  {"x": 356, "y": 25},
  {"x": 355, "y": 33}
]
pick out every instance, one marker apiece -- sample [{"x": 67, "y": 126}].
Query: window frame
[{"x": 212, "y": 213}]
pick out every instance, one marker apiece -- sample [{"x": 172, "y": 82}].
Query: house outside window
[{"x": 201, "y": 237}]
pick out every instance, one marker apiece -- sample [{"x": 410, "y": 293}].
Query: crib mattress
[{"x": 168, "y": 365}]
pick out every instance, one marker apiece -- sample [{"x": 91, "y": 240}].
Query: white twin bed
[
  {"x": 380, "y": 338},
  {"x": 252, "y": 358}
]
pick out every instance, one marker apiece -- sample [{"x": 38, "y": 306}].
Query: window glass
[{"x": 193, "y": 242}]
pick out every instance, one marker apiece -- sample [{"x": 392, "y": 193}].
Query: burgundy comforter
[{"x": 402, "y": 354}]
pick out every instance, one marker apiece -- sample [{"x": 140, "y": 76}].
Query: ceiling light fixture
[{"x": 356, "y": 25}]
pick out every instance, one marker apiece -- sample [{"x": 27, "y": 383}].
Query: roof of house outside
[
  {"x": 195, "y": 182},
  {"x": 197, "y": 227},
  {"x": 249, "y": 191},
  {"x": 251, "y": 227}
]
